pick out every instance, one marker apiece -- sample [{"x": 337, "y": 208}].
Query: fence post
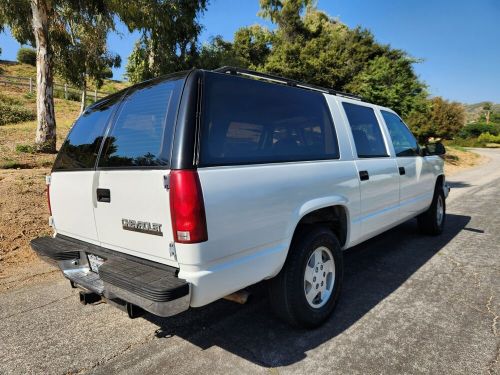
[
  {"x": 66, "y": 91},
  {"x": 31, "y": 85},
  {"x": 95, "y": 95}
]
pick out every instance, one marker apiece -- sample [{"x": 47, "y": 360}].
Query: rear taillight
[
  {"x": 47, "y": 180},
  {"x": 187, "y": 208}
]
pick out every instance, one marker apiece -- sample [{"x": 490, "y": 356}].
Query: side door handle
[
  {"x": 103, "y": 195},
  {"x": 402, "y": 171},
  {"x": 364, "y": 176}
]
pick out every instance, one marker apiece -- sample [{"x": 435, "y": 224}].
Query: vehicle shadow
[
  {"x": 458, "y": 184},
  {"x": 373, "y": 271}
]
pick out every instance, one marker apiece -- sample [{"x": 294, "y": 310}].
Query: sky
[{"x": 458, "y": 41}]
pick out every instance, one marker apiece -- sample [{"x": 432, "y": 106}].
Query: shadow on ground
[
  {"x": 373, "y": 270},
  {"x": 458, "y": 184}
]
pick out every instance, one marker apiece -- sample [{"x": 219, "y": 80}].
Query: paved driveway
[{"x": 410, "y": 304}]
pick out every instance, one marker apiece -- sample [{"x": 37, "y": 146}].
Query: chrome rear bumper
[{"x": 151, "y": 286}]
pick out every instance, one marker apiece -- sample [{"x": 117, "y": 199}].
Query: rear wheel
[
  {"x": 432, "y": 221},
  {"x": 306, "y": 290}
]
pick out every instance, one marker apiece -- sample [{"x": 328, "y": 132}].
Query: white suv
[{"x": 183, "y": 189}]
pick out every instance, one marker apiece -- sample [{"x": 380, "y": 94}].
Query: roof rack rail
[{"x": 285, "y": 81}]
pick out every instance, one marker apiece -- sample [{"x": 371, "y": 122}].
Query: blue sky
[{"x": 458, "y": 40}]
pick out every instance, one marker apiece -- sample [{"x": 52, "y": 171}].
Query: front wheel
[
  {"x": 306, "y": 290},
  {"x": 432, "y": 221}
]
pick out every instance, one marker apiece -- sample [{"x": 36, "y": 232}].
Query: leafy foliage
[
  {"x": 474, "y": 130},
  {"x": 27, "y": 56},
  {"x": 437, "y": 117},
  {"x": 170, "y": 31}
]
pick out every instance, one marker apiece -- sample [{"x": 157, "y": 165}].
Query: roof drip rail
[{"x": 284, "y": 81}]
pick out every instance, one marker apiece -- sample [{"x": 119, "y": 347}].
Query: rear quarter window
[
  {"x": 81, "y": 147},
  {"x": 247, "y": 121},
  {"x": 366, "y": 131},
  {"x": 141, "y": 135}
]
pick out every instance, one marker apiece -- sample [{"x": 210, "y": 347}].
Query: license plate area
[{"x": 95, "y": 261}]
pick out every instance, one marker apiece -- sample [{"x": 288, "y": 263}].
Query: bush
[
  {"x": 27, "y": 149},
  {"x": 488, "y": 138},
  {"x": 11, "y": 114},
  {"x": 27, "y": 56},
  {"x": 476, "y": 129}
]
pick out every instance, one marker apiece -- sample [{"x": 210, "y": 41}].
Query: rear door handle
[
  {"x": 363, "y": 175},
  {"x": 103, "y": 195},
  {"x": 402, "y": 171}
]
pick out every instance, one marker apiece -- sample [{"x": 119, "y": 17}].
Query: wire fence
[{"x": 62, "y": 91}]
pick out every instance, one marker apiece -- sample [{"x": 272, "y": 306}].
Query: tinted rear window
[
  {"x": 141, "y": 135},
  {"x": 365, "y": 131},
  {"x": 80, "y": 149},
  {"x": 246, "y": 121}
]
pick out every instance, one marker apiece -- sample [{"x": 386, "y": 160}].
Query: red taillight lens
[
  {"x": 48, "y": 199},
  {"x": 187, "y": 208}
]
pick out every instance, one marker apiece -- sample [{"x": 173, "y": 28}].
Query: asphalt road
[{"x": 410, "y": 304}]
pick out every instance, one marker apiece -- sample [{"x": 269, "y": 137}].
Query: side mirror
[{"x": 434, "y": 149}]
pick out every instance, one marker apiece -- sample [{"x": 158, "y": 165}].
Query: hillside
[
  {"x": 15, "y": 69},
  {"x": 474, "y": 111}
]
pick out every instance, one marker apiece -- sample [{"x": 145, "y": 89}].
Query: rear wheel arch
[{"x": 335, "y": 217}]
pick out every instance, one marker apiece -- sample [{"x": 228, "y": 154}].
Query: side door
[
  {"x": 378, "y": 171},
  {"x": 416, "y": 175}
]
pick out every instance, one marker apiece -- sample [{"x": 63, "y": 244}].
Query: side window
[
  {"x": 365, "y": 130},
  {"x": 142, "y": 132},
  {"x": 80, "y": 149},
  {"x": 247, "y": 121},
  {"x": 403, "y": 140}
]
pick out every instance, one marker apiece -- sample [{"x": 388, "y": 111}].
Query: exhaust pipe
[{"x": 88, "y": 298}]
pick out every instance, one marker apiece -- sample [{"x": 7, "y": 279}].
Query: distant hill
[{"x": 474, "y": 111}]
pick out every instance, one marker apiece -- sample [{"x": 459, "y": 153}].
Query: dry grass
[
  {"x": 12, "y": 68},
  {"x": 458, "y": 158},
  {"x": 23, "y": 134}
]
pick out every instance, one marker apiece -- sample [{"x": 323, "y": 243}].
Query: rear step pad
[
  {"x": 56, "y": 249},
  {"x": 148, "y": 281}
]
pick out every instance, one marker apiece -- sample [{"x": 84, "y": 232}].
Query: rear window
[
  {"x": 141, "y": 135},
  {"x": 365, "y": 131},
  {"x": 80, "y": 149},
  {"x": 246, "y": 121}
]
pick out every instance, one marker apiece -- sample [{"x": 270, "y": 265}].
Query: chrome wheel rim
[
  {"x": 319, "y": 277},
  {"x": 439, "y": 210}
]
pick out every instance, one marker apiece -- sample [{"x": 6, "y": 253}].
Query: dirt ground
[{"x": 457, "y": 159}]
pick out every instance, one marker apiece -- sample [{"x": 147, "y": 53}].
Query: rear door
[
  {"x": 73, "y": 175},
  {"x": 132, "y": 210},
  {"x": 416, "y": 175},
  {"x": 378, "y": 171}
]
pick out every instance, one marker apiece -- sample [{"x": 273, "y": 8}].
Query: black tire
[
  {"x": 428, "y": 222},
  {"x": 287, "y": 290}
]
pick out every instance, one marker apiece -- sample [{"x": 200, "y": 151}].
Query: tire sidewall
[{"x": 305, "y": 313}]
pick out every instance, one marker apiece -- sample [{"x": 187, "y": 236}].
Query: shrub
[
  {"x": 8, "y": 100},
  {"x": 11, "y": 114},
  {"x": 476, "y": 129},
  {"x": 488, "y": 138},
  {"x": 27, "y": 56},
  {"x": 28, "y": 149}
]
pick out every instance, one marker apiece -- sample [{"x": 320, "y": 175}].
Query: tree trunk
[
  {"x": 45, "y": 140},
  {"x": 487, "y": 117},
  {"x": 84, "y": 96}
]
